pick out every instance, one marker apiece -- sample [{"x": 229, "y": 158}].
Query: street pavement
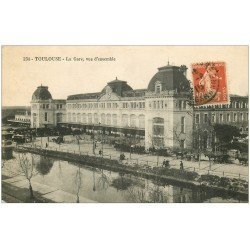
[{"x": 85, "y": 146}]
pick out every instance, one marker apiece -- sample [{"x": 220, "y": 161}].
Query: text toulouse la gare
[{"x": 69, "y": 59}]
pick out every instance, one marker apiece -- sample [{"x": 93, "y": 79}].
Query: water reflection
[
  {"x": 43, "y": 164},
  {"x": 123, "y": 182},
  {"x": 100, "y": 185},
  {"x": 7, "y": 153},
  {"x": 103, "y": 180}
]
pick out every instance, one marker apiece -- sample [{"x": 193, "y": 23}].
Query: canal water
[{"x": 104, "y": 186}]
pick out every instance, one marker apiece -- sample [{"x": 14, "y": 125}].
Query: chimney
[{"x": 183, "y": 69}]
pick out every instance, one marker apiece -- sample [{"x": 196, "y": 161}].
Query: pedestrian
[
  {"x": 164, "y": 163},
  {"x": 167, "y": 164},
  {"x": 46, "y": 145},
  {"x": 100, "y": 152},
  {"x": 181, "y": 166}
]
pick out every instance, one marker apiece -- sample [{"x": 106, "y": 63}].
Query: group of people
[
  {"x": 165, "y": 163},
  {"x": 122, "y": 156}
]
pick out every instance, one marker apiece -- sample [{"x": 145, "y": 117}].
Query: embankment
[{"x": 182, "y": 178}]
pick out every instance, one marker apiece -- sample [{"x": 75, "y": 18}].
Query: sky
[{"x": 134, "y": 64}]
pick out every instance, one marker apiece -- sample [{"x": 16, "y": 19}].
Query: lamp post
[
  {"x": 131, "y": 151},
  {"x": 93, "y": 139},
  {"x": 102, "y": 132}
]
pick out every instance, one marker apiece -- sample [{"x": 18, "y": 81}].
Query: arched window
[
  {"x": 141, "y": 121},
  {"x": 125, "y": 120},
  {"x": 78, "y": 117},
  {"x": 89, "y": 118},
  {"x": 103, "y": 119},
  {"x": 133, "y": 120},
  {"x": 158, "y": 132},
  {"x": 96, "y": 120},
  {"x": 158, "y": 87},
  {"x": 114, "y": 119},
  {"x": 84, "y": 118},
  {"x": 59, "y": 117},
  {"x": 108, "y": 119}
]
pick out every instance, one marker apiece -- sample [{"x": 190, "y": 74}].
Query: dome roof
[
  {"x": 117, "y": 86},
  {"x": 170, "y": 78},
  {"x": 41, "y": 93}
]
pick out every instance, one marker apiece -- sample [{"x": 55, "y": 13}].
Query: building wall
[
  {"x": 44, "y": 113},
  {"x": 127, "y": 112}
]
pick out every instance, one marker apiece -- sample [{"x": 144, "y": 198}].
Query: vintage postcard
[{"x": 127, "y": 124}]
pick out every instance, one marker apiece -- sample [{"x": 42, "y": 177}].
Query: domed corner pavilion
[
  {"x": 168, "y": 115},
  {"x": 46, "y": 111}
]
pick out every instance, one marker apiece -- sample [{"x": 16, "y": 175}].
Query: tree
[
  {"x": 78, "y": 182},
  {"x": 225, "y": 133},
  {"x": 28, "y": 169}
]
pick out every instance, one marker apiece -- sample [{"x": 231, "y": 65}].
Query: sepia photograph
[{"x": 125, "y": 124}]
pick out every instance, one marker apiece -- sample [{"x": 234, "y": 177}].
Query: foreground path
[{"x": 15, "y": 190}]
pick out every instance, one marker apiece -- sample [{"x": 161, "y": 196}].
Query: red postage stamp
[{"x": 210, "y": 83}]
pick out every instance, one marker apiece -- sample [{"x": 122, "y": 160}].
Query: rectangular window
[
  {"x": 182, "y": 144},
  {"x": 154, "y": 105},
  {"x": 221, "y": 118},
  {"x": 205, "y": 118},
  {"x": 228, "y": 118},
  {"x": 183, "y": 124},
  {"x": 180, "y": 104},
  {"x": 213, "y": 117},
  {"x": 197, "y": 118},
  {"x": 247, "y": 117},
  {"x": 235, "y": 117},
  {"x": 241, "y": 117},
  {"x": 46, "y": 116},
  {"x": 184, "y": 104}
]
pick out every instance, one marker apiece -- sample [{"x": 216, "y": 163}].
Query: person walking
[
  {"x": 181, "y": 166},
  {"x": 100, "y": 152}
]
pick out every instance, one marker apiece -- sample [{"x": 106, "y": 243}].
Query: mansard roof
[
  {"x": 84, "y": 96},
  {"x": 41, "y": 93},
  {"x": 171, "y": 78}
]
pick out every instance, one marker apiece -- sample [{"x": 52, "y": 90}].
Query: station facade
[{"x": 161, "y": 114}]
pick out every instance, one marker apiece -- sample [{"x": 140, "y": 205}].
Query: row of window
[
  {"x": 228, "y": 117},
  {"x": 22, "y": 119},
  {"x": 108, "y": 119},
  {"x": 59, "y": 117},
  {"x": 59, "y": 106},
  {"x": 108, "y": 105},
  {"x": 157, "y": 104},
  {"x": 47, "y": 106},
  {"x": 238, "y": 104},
  {"x": 133, "y": 105},
  {"x": 226, "y": 106}
]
